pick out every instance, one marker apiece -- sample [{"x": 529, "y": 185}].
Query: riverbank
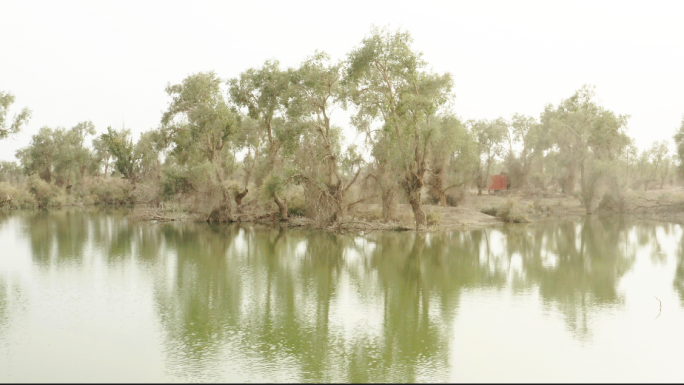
[{"x": 476, "y": 211}]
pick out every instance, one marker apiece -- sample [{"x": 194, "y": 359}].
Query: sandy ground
[
  {"x": 657, "y": 204},
  {"x": 468, "y": 214}
]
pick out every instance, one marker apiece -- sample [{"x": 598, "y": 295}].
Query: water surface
[{"x": 89, "y": 296}]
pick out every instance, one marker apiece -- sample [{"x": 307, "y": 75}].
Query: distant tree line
[{"x": 266, "y": 135}]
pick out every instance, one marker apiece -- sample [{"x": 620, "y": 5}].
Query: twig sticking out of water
[{"x": 659, "y": 310}]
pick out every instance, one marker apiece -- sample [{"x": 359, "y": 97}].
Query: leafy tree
[
  {"x": 264, "y": 92},
  {"x": 658, "y": 154},
  {"x": 38, "y": 157},
  {"x": 102, "y": 154},
  {"x": 59, "y": 155},
  {"x": 120, "y": 144},
  {"x": 389, "y": 82},
  {"x": 588, "y": 137},
  {"x": 679, "y": 143},
  {"x": 8, "y": 128},
  {"x": 451, "y": 158},
  {"x": 490, "y": 136},
  {"x": 10, "y": 172},
  {"x": 315, "y": 92},
  {"x": 534, "y": 139},
  {"x": 198, "y": 119},
  {"x": 148, "y": 149}
]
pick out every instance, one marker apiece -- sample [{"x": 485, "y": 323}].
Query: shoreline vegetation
[{"x": 262, "y": 147}]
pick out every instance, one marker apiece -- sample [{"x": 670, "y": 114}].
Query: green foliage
[
  {"x": 489, "y": 136},
  {"x": 46, "y": 194},
  {"x": 10, "y": 172},
  {"x": 15, "y": 197},
  {"x": 198, "y": 117},
  {"x": 111, "y": 191},
  {"x": 612, "y": 203},
  {"x": 296, "y": 205},
  {"x": 540, "y": 207},
  {"x": 588, "y": 137},
  {"x": 120, "y": 145},
  {"x": 273, "y": 184},
  {"x": 434, "y": 217},
  {"x": 489, "y": 211},
  {"x": 59, "y": 155},
  {"x": 512, "y": 210},
  {"x": 20, "y": 119},
  {"x": 679, "y": 144}
]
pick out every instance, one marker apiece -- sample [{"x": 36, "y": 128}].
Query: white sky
[{"x": 109, "y": 61}]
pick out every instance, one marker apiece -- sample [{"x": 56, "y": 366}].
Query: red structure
[{"x": 499, "y": 182}]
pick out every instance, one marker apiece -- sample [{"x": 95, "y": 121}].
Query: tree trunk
[
  {"x": 282, "y": 206},
  {"x": 569, "y": 187},
  {"x": 388, "y": 206},
  {"x": 437, "y": 190},
  {"x": 238, "y": 197},
  {"x": 587, "y": 191},
  {"x": 414, "y": 183},
  {"x": 442, "y": 198},
  {"x": 223, "y": 213},
  {"x": 417, "y": 207}
]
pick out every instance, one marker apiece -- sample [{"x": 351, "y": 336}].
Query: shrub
[
  {"x": 15, "y": 197},
  {"x": 111, "y": 190},
  {"x": 540, "y": 207},
  {"x": 433, "y": 217},
  {"x": 611, "y": 203},
  {"x": 45, "y": 194},
  {"x": 174, "y": 182},
  {"x": 455, "y": 197},
  {"x": 489, "y": 211},
  {"x": 512, "y": 210}
]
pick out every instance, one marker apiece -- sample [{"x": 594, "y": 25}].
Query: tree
[
  {"x": 19, "y": 120},
  {"x": 102, "y": 154},
  {"x": 679, "y": 143},
  {"x": 120, "y": 144},
  {"x": 263, "y": 92},
  {"x": 389, "y": 82},
  {"x": 198, "y": 119},
  {"x": 658, "y": 154},
  {"x": 451, "y": 158},
  {"x": 490, "y": 135},
  {"x": 315, "y": 92},
  {"x": 39, "y": 155},
  {"x": 148, "y": 149},
  {"x": 59, "y": 155},
  {"x": 588, "y": 137},
  {"x": 527, "y": 131}
]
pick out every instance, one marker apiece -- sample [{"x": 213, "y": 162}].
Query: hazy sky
[{"x": 109, "y": 61}]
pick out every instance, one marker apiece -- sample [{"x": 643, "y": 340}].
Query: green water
[{"x": 88, "y": 296}]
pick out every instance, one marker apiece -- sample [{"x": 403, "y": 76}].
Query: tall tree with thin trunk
[
  {"x": 389, "y": 82},
  {"x": 316, "y": 91},
  {"x": 199, "y": 118},
  {"x": 263, "y": 92}
]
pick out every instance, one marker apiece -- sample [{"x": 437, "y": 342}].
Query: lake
[{"x": 89, "y": 296}]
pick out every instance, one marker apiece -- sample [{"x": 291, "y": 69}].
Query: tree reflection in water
[{"x": 313, "y": 306}]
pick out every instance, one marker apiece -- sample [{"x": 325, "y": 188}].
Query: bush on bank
[{"x": 37, "y": 193}]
